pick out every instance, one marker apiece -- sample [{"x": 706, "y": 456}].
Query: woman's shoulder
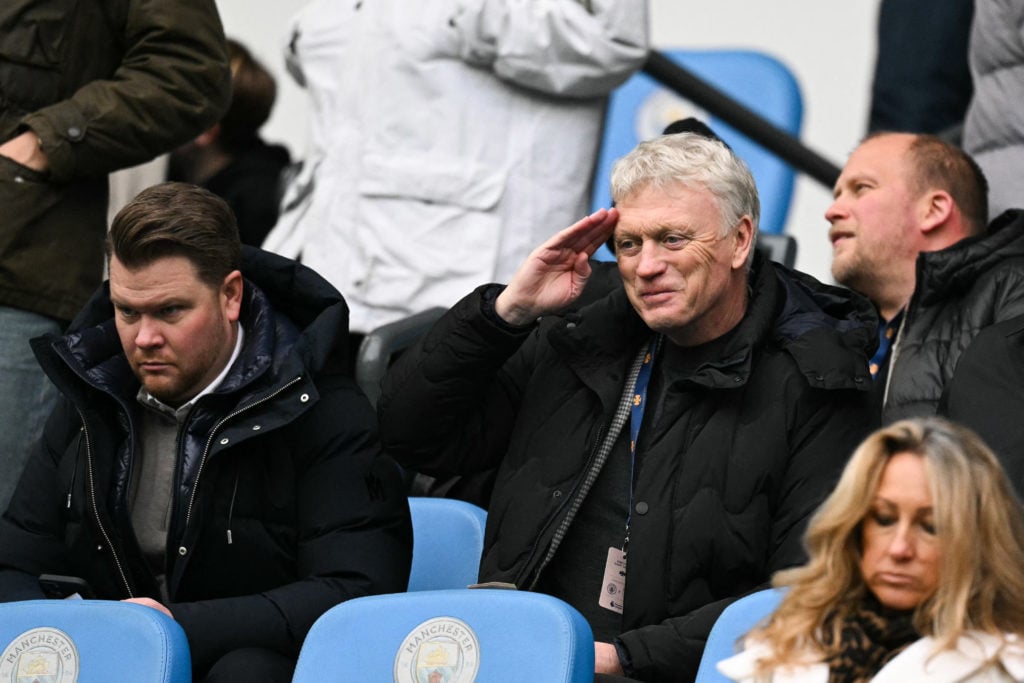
[
  {"x": 977, "y": 657},
  {"x": 742, "y": 667}
]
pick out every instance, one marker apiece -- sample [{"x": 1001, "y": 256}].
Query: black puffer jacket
[
  {"x": 282, "y": 508},
  {"x": 739, "y": 455},
  {"x": 975, "y": 283}
]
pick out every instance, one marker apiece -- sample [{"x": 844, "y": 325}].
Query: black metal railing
[{"x": 787, "y": 147}]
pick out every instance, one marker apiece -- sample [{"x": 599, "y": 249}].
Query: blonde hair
[{"x": 979, "y": 523}]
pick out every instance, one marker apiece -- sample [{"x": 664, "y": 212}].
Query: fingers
[{"x": 586, "y": 234}]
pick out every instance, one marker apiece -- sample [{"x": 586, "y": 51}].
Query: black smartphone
[{"x": 59, "y": 587}]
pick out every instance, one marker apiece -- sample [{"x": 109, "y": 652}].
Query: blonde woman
[{"x": 916, "y": 571}]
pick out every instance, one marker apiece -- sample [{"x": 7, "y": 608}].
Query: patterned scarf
[{"x": 870, "y": 637}]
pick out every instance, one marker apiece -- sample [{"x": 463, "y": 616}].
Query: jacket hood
[
  {"x": 829, "y": 331},
  {"x": 293, "y": 318},
  {"x": 945, "y": 273}
]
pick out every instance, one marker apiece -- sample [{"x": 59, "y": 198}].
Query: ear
[
  {"x": 936, "y": 209},
  {"x": 231, "y": 295},
  {"x": 209, "y": 136},
  {"x": 743, "y": 242}
]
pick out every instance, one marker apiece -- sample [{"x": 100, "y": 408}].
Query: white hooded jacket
[{"x": 449, "y": 138}]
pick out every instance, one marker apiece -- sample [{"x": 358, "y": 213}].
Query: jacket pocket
[
  {"x": 434, "y": 179},
  {"x": 25, "y": 196},
  {"x": 427, "y": 230},
  {"x": 35, "y": 32}
]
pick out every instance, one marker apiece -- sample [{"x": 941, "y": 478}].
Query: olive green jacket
[{"x": 105, "y": 84}]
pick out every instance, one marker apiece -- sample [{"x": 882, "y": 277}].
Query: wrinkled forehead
[{"x": 654, "y": 207}]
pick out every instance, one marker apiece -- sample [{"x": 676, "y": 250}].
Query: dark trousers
[{"x": 252, "y": 665}]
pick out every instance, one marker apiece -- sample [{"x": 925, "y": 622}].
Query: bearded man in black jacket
[
  {"x": 659, "y": 450},
  {"x": 208, "y": 459}
]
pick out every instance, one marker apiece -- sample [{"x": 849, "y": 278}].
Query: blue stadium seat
[
  {"x": 734, "y": 622},
  {"x": 486, "y": 635},
  {"x": 448, "y": 538},
  {"x": 641, "y": 108},
  {"x": 101, "y": 640}
]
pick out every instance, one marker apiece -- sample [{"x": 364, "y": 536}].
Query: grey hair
[{"x": 690, "y": 160}]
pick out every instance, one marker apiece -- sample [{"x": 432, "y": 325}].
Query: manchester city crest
[
  {"x": 42, "y": 655},
  {"x": 440, "y": 650}
]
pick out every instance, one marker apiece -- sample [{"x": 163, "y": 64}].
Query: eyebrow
[{"x": 879, "y": 500}]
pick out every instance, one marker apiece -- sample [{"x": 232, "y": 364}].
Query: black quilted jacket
[
  {"x": 737, "y": 458},
  {"x": 975, "y": 283}
]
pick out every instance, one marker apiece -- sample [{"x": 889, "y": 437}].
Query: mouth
[
  {"x": 656, "y": 296},
  {"x": 837, "y": 236},
  {"x": 896, "y": 580}
]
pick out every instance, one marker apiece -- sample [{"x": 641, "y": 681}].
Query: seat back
[
  {"x": 101, "y": 640},
  {"x": 734, "y": 622},
  {"x": 641, "y": 108},
  {"x": 382, "y": 345},
  {"x": 778, "y": 248},
  {"x": 483, "y": 635},
  {"x": 448, "y": 539}
]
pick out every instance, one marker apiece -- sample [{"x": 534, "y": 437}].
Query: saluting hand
[{"x": 553, "y": 276}]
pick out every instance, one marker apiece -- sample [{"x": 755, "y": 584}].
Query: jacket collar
[
  {"x": 955, "y": 268},
  {"x": 829, "y": 331},
  {"x": 295, "y": 322}
]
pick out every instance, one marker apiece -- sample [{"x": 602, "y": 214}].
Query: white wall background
[{"x": 830, "y": 46}]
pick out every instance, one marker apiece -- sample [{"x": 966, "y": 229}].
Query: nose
[
  {"x": 148, "y": 335},
  {"x": 901, "y": 547},
  {"x": 650, "y": 263},
  {"x": 835, "y": 211}
]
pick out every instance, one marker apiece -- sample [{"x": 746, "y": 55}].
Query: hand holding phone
[{"x": 61, "y": 587}]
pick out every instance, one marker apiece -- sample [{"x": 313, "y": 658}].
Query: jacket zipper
[
  {"x": 893, "y": 354},
  {"x": 568, "y": 499},
  {"x": 206, "y": 451},
  {"x": 95, "y": 507}
]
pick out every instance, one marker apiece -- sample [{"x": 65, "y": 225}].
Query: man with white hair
[{"x": 648, "y": 519}]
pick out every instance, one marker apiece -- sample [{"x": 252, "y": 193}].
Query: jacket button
[
  {"x": 182, "y": 550},
  {"x": 75, "y": 133},
  {"x": 556, "y": 494},
  {"x": 225, "y": 441},
  {"x": 641, "y": 508},
  {"x": 570, "y": 326},
  {"x": 256, "y": 428},
  {"x": 99, "y": 549},
  {"x": 304, "y": 398}
]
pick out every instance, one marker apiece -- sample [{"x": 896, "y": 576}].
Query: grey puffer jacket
[
  {"x": 994, "y": 127},
  {"x": 960, "y": 290}
]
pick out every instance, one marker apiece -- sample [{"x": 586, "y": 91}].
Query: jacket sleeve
[
  {"x": 824, "y": 427},
  {"x": 575, "y": 48},
  {"x": 173, "y": 83},
  {"x": 32, "y": 528},
  {"x": 449, "y": 404},
  {"x": 354, "y": 536}
]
